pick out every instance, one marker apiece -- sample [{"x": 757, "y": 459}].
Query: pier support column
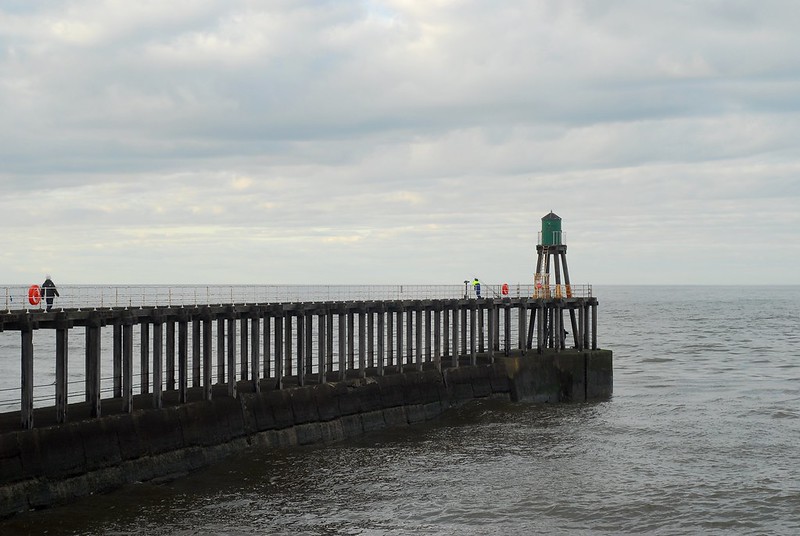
[
  {"x": 540, "y": 333},
  {"x": 418, "y": 339},
  {"x": 437, "y": 336},
  {"x": 116, "y": 360},
  {"x": 446, "y": 331},
  {"x": 351, "y": 341},
  {"x": 279, "y": 350},
  {"x": 244, "y": 362},
  {"x": 389, "y": 337},
  {"x": 322, "y": 358},
  {"x": 329, "y": 317},
  {"x": 309, "y": 344},
  {"x": 342, "y": 325},
  {"x": 208, "y": 331},
  {"x": 144, "y": 355},
  {"x": 362, "y": 347},
  {"x": 62, "y": 368},
  {"x": 220, "y": 350},
  {"x": 93, "y": 364},
  {"x": 197, "y": 344},
  {"x": 594, "y": 326},
  {"x": 522, "y": 310},
  {"x": 267, "y": 354},
  {"x": 456, "y": 337},
  {"x": 231, "y": 353},
  {"x": 473, "y": 335},
  {"x": 480, "y": 310},
  {"x": 26, "y": 373},
  {"x": 158, "y": 363},
  {"x": 400, "y": 339},
  {"x": 491, "y": 332},
  {"x": 410, "y": 335},
  {"x": 381, "y": 334},
  {"x": 170, "y": 355},
  {"x": 370, "y": 336},
  {"x": 127, "y": 365},
  {"x": 255, "y": 350},
  {"x": 183, "y": 359},
  {"x": 287, "y": 346},
  {"x": 464, "y": 325}
]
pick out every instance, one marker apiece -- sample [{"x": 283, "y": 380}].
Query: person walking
[
  {"x": 476, "y": 285},
  {"x": 49, "y": 291}
]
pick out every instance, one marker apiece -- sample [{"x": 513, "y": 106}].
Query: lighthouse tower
[{"x": 551, "y": 247}]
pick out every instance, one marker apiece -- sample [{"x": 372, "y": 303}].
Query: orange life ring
[
  {"x": 504, "y": 289},
  {"x": 34, "y": 295}
]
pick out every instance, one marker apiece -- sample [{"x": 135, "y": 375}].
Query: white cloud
[{"x": 394, "y": 140}]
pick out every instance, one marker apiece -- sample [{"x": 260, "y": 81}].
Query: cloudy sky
[{"x": 398, "y": 141}]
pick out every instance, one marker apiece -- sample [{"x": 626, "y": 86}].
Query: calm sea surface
[{"x": 702, "y": 436}]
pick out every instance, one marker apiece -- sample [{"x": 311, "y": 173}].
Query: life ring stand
[
  {"x": 504, "y": 289},
  {"x": 34, "y": 295}
]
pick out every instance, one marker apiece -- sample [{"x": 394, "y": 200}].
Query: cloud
[{"x": 395, "y": 140}]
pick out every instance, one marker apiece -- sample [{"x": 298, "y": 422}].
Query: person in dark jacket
[{"x": 49, "y": 291}]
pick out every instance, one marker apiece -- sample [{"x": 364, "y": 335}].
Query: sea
[{"x": 701, "y": 436}]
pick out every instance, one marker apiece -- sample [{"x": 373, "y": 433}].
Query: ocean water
[{"x": 702, "y": 435}]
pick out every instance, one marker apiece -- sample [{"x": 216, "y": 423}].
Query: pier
[{"x": 126, "y": 384}]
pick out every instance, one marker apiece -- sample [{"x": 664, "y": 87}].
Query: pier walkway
[{"x": 154, "y": 347}]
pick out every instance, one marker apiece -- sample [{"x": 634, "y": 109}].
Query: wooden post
[
  {"x": 279, "y": 350},
  {"x": 26, "y": 374},
  {"x": 456, "y": 337},
  {"x": 309, "y": 345},
  {"x": 158, "y": 363},
  {"x": 522, "y": 312},
  {"x": 287, "y": 347},
  {"x": 351, "y": 340},
  {"x": 267, "y": 355},
  {"x": 301, "y": 350},
  {"x": 127, "y": 365},
  {"x": 389, "y": 337},
  {"x": 208, "y": 331},
  {"x": 231, "y": 353},
  {"x": 220, "y": 350},
  {"x": 93, "y": 364},
  {"x": 370, "y": 337},
  {"x": 197, "y": 344},
  {"x": 244, "y": 363},
  {"x": 540, "y": 327},
  {"x": 473, "y": 335},
  {"x": 255, "y": 350},
  {"x": 322, "y": 358},
  {"x": 342, "y": 325},
  {"x": 418, "y": 338},
  {"x": 491, "y": 329},
  {"x": 381, "y": 332},
  {"x": 410, "y": 335},
  {"x": 428, "y": 334},
  {"x": 400, "y": 339},
  {"x": 481, "y": 308},
  {"x": 117, "y": 360},
  {"x": 594, "y": 326},
  {"x": 62, "y": 368},
  {"x": 362, "y": 329},
  {"x": 446, "y": 330},
  {"x": 465, "y": 348},
  {"x": 183, "y": 359},
  {"x": 144, "y": 354},
  {"x": 437, "y": 336},
  {"x": 329, "y": 339},
  {"x": 170, "y": 355},
  {"x": 507, "y": 329}
]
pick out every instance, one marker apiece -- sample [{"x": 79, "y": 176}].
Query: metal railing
[{"x": 16, "y": 298}]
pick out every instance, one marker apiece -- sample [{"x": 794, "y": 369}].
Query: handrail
[{"x": 138, "y": 296}]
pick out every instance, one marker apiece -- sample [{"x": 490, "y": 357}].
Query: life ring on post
[
  {"x": 504, "y": 289},
  {"x": 34, "y": 295}
]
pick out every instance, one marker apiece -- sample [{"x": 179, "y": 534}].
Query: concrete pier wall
[{"x": 41, "y": 467}]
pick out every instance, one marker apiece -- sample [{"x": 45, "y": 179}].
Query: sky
[{"x": 398, "y": 141}]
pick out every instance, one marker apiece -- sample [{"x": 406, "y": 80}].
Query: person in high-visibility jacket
[{"x": 476, "y": 285}]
